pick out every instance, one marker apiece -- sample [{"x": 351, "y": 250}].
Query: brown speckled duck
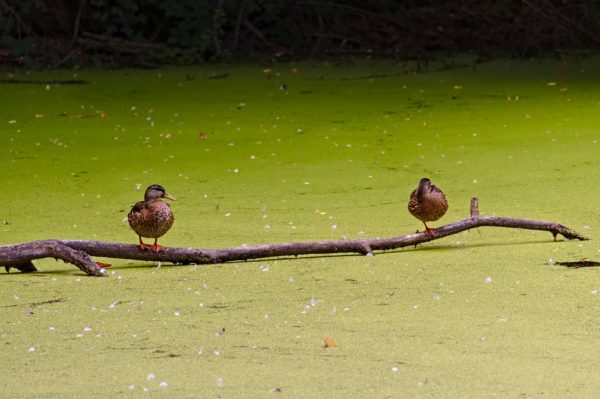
[
  {"x": 427, "y": 203},
  {"x": 152, "y": 217}
]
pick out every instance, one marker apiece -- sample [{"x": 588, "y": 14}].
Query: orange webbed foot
[
  {"x": 430, "y": 232},
  {"x": 157, "y": 248},
  {"x": 143, "y": 246}
]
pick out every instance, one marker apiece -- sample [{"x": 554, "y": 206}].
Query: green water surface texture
[{"x": 301, "y": 152}]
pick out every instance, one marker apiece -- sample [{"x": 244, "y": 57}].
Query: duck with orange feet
[
  {"x": 427, "y": 203},
  {"x": 152, "y": 217}
]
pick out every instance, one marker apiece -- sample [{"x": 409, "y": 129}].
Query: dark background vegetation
[{"x": 150, "y": 32}]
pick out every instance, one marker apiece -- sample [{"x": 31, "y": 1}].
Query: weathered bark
[
  {"x": 78, "y": 252},
  {"x": 20, "y": 256}
]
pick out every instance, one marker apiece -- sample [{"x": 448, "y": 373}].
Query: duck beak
[{"x": 169, "y": 196}]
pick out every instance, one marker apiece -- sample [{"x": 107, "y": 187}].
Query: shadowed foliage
[{"x": 148, "y": 32}]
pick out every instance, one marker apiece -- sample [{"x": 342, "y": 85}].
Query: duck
[
  {"x": 427, "y": 203},
  {"x": 152, "y": 217}
]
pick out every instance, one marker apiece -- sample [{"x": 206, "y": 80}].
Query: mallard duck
[
  {"x": 427, "y": 203},
  {"x": 152, "y": 217}
]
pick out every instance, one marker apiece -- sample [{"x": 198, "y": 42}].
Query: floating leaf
[{"x": 329, "y": 342}]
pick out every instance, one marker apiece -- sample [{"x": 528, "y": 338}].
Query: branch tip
[{"x": 474, "y": 207}]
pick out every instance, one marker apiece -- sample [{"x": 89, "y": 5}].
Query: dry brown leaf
[{"x": 329, "y": 342}]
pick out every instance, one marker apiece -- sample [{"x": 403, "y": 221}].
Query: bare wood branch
[
  {"x": 256, "y": 32},
  {"x": 238, "y": 23},
  {"x": 474, "y": 207},
  {"x": 121, "y": 45},
  {"x": 215, "y": 17},
  {"x": 20, "y": 256},
  {"x": 78, "y": 252},
  {"x": 77, "y": 23}
]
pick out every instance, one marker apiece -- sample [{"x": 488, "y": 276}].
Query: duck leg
[
  {"x": 157, "y": 248},
  {"x": 143, "y": 246},
  {"x": 428, "y": 231}
]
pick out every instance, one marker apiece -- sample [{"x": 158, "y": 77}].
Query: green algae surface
[{"x": 301, "y": 152}]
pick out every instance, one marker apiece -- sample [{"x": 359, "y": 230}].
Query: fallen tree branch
[
  {"x": 20, "y": 256},
  {"x": 78, "y": 252},
  {"x": 121, "y": 45}
]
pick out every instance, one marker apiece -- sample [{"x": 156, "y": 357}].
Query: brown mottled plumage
[
  {"x": 427, "y": 203},
  {"x": 152, "y": 217}
]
